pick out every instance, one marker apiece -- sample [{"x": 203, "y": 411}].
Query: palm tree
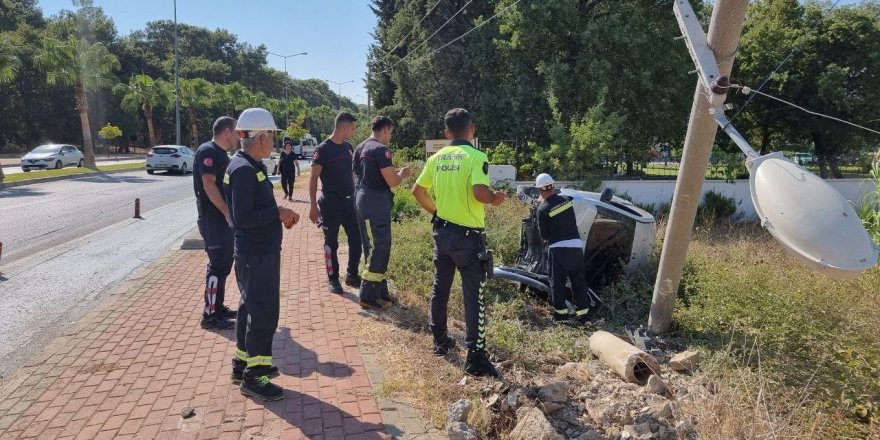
[
  {"x": 85, "y": 67},
  {"x": 144, "y": 93},
  {"x": 9, "y": 65},
  {"x": 194, "y": 95},
  {"x": 231, "y": 97}
]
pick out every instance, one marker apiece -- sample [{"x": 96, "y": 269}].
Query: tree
[
  {"x": 231, "y": 97},
  {"x": 195, "y": 95},
  {"x": 83, "y": 66},
  {"x": 9, "y": 64},
  {"x": 143, "y": 93},
  {"x": 110, "y": 132}
]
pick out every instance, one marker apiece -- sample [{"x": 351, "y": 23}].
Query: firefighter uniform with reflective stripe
[
  {"x": 254, "y": 213},
  {"x": 211, "y": 159},
  {"x": 374, "y": 200},
  {"x": 558, "y": 226},
  {"x": 459, "y": 236}
]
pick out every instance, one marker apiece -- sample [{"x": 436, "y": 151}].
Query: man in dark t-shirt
[
  {"x": 209, "y": 167},
  {"x": 332, "y": 164},
  {"x": 376, "y": 176}
]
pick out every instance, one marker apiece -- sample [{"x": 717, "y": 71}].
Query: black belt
[
  {"x": 445, "y": 224},
  {"x": 335, "y": 196}
]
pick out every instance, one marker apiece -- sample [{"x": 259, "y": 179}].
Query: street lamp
[
  {"x": 176, "y": 82},
  {"x": 286, "y": 81},
  {"x": 339, "y": 95}
]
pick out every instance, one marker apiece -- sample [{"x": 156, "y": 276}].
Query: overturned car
[{"x": 618, "y": 239}]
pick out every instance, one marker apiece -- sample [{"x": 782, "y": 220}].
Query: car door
[
  {"x": 64, "y": 156},
  {"x": 189, "y": 158}
]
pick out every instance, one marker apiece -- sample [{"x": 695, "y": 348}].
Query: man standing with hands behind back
[
  {"x": 257, "y": 220},
  {"x": 459, "y": 175},
  {"x": 209, "y": 167},
  {"x": 332, "y": 163}
]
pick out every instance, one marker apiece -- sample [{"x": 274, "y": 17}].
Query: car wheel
[
  {"x": 58, "y": 165},
  {"x": 80, "y": 164},
  {"x": 150, "y": 171},
  {"x": 27, "y": 170},
  {"x": 183, "y": 169},
  {"x": 275, "y": 171}
]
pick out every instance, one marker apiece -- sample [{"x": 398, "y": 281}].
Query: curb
[{"x": 70, "y": 176}]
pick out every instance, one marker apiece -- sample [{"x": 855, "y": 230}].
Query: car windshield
[
  {"x": 164, "y": 150},
  {"x": 46, "y": 149}
]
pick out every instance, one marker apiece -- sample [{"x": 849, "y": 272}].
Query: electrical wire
[
  {"x": 429, "y": 37},
  {"x": 430, "y": 54},
  {"x": 766, "y": 80},
  {"x": 387, "y": 54},
  {"x": 749, "y": 90}
]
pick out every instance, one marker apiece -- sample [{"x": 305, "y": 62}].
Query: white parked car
[
  {"x": 171, "y": 158},
  {"x": 271, "y": 164},
  {"x": 52, "y": 156}
]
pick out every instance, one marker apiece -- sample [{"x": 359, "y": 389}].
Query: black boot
[
  {"x": 443, "y": 344},
  {"x": 335, "y": 287},
  {"x": 478, "y": 364},
  {"x": 215, "y": 322},
  {"x": 257, "y": 384},
  {"x": 369, "y": 294},
  {"x": 353, "y": 280},
  {"x": 385, "y": 294},
  {"x": 238, "y": 367}
]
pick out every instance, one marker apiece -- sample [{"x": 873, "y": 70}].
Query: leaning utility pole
[
  {"x": 176, "y": 82},
  {"x": 724, "y": 33}
]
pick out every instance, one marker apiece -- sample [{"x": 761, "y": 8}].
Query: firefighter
[
  {"x": 332, "y": 163},
  {"x": 209, "y": 167},
  {"x": 558, "y": 227},
  {"x": 376, "y": 176},
  {"x": 257, "y": 220},
  {"x": 459, "y": 177}
]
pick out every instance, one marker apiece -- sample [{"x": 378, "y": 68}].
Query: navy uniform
[
  {"x": 337, "y": 208},
  {"x": 374, "y": 200},
  {"x": 212, "y": 159},
  {"x": 459, "y": 240},
  {"x": 558, "y": 227},
  {"x": 254, "y": 213}
]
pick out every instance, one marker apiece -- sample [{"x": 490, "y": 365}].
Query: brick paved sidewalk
[{"x": 129, "y": 368}]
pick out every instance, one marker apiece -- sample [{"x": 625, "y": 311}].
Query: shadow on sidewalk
[
  {"x": 306, "y": 361},
  {"x": 20, "y": 192},
  {"x": 321, "y": 420}
]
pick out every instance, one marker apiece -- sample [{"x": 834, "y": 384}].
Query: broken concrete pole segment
[
  {"x": 456, "y": 422},
  {"x": 686, "y": 361},
  {"x": 630, "y": 363}
]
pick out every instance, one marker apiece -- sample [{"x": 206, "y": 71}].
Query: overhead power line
[
  {"x": 429, "y": 37},
  {"x": 430, "y": 54},
  {"x": 748, "y": 90},
  {"x": 387, "y": 54}
]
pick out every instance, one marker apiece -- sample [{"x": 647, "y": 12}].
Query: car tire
[
  {"x": 27, "y": 170},
  {"x": 58, "y": 165},
  {"x": 80, "y": 164},
  {"x": 150, "y": 171},
  {"x": 183, "y": 170}
]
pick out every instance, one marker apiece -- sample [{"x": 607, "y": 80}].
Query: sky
[{"x": 335, "y": 33}]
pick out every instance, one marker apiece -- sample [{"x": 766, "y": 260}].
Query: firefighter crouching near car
[
  {"x": 558, "y": 227},
  {"x": 256, "y": 220},
  {"x": 459, "y": 176},
  {"x": 376, "y": 176}
]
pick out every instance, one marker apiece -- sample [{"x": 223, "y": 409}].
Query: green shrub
[
  {"x": 869, "y": 211},
  {"x": 405, "y": 204},
  {"x": 716, "y": 208}
]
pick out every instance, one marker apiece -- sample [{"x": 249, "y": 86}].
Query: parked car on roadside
[
  {"x": 55, "y": 156},
  {"x": 271, "y": 164},
  {"x": 803, "y": 158},
  {"x": 171, "y": 158}
]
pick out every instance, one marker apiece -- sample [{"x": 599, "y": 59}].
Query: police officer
[
  {"x": 288, "y": 166},
  {"x": 376, "y": 176},
  {"x": 558, "y": 227},
  {"x": 208, "y": 169},
  {"x": 459, "y": 176},
  {"x": 332, "y": 163},
  {"x": 257, "y": 220}
]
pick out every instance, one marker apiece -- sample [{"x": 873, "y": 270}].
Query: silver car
[
  {"x": 171, "y": 158},
  {"x": 55, "y": 156}
]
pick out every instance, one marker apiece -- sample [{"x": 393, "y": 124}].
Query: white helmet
[
  {"x": 543, "y": 180},
  {"x": 256, "y": 119}
]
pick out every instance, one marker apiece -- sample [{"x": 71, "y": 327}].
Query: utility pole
[
  {"x": 286, "y": 83},
  {"x": 724, "y": 34},
  {"x": 176, "y": 82},
  {"x": 369, "y": 76},
  {"x": 339, "y": 95}
]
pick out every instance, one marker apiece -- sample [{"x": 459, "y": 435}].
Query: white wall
[
  {"x": 647, "y": 192},
  {"x": 658, "y": 192}
]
